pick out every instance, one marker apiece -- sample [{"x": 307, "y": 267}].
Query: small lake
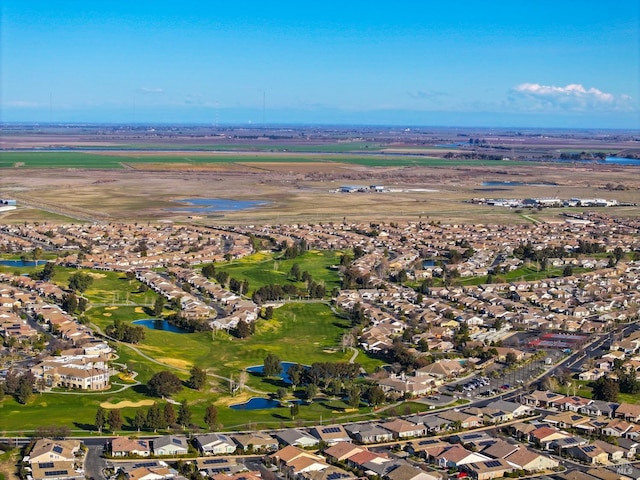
[
  {"x": 208, "y": 205},
  {"x": 623, "y": 160},
  {"x": 283, "y": 375},
  {"x": 20, "y": 263},
  {"x": 164, "y": 325},
  {"x": 259, "y": 403}
]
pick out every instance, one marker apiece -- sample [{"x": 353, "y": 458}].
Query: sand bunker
[
  {"x": 139, "y": 310},
  {"x": 127, "y": 403}
]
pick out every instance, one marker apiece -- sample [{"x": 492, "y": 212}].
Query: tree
[
  {"x": 169, "y": 414},
  {"x": 164, "y": 383},
  {"x": 158, "y": 306},
  {"x": 295, "y": 273},
  {"x": 24, "y": 391},
  {"x": 281, "y": 393},
  {"x": 272, "y": 365},
  {"x": 184, "y": 414},
  {"x": 353, "y": 396},
  {"x": 48, "y": 271},
  {"x": 567, "y": 271},
  {"x": 294, "y": 409},
  {"x": 510, "y": 358},
  {"x": 69, "y": 303},
  {"x": 139, "y": 420},
  {"x": 198, "y": 378},
  {"x": 211, "y": 416},
  {"x": 101, "y": 419},
  {"x": 606, "y": 389},
  {"x": 115, "y": 420},
  {"x": 209, "y": 270},
  {"x": 79, "y": 281},
  {"x": 267, "y": 313},
  {"x": 295, "y": 373},
  {"x": 375, "y": 395},
  {"x": 243, "y": 329},
  {"x": 311, "y": 391},
  {"x": 154, "y": 419}
]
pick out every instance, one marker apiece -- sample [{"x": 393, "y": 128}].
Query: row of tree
[{"x": 155, "y": 418}]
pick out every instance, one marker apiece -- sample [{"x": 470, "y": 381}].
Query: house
[
  {"x": 170, "y": 445},
  {"x": 591, "y": 454},
  {"x": 542, "y": 399},
  {"x": 544, "y": 435},
  {"x": 464, "y": 420},
  {"x": 404, "y": 429},
  {"x": 409, "y": 472},
  {"x": 629, "y": 412},
  {"x": 599, "y": 408},
  {"x": 499, "y": 449},
  {"x": 218, "y": 466},
  {"x": 531, "y": 461},
  {"x": 331, "y": 434},
  {"x": 342, "y": 451},
  {"x": 296, "y": 438},
  {"x": 58, "y": 470},
  {"x": 615, "y": 452},
  {"x": 295, "y": 461},
  {"x": 48, "y": 450},
  {"x": 329, "y": 473},
  {"x": 145, "y": 472},
  {"x": 488, "y": 469},
  {"x": 258, "y": 441},
  {"x": 369, "y": 433},
  {"x": 456, "y": 455},
  {"x": 214, "y": 444},
  {"x": 123, "y": 446}
]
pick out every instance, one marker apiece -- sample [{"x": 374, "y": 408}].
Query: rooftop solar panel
[
  {"x": 55, "y": 473},
  {"x": 46, "y": 465},
  {"x": 58, "y": 449},
  {"x": 493, "y": 463}
]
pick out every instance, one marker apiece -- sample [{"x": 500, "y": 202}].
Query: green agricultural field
[
  {"x": 106, "y": 160},
  {"x": 265, "y": 269}
]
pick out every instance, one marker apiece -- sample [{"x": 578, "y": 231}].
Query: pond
[
  {"x": 283, "y": 375},
  {"x": 623, "y": 160},
  {"x": 20, "y": 263},
  {"x": 156, "y": 324},
  {"x": 207, "y": 205},
  {"x": 259, "y": 403}
]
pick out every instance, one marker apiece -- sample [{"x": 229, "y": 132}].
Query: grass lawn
[
  {"x": 107, "y": 287},
  {"x": 262, "y": 269}
]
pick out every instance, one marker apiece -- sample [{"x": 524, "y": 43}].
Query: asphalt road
[{"x": 94, "y": 464}]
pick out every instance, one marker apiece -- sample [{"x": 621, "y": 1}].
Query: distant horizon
[{"x": 267, "y": 126}]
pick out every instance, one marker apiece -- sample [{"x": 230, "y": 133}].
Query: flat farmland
[{"x": 292, "y": 186}]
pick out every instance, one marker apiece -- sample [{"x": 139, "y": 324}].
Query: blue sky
[{"x": 459, "y": 63}]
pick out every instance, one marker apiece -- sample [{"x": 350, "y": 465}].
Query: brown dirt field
[{"x": 300, "y": 192}]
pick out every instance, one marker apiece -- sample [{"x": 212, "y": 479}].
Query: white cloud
[
  {"x": 571, "y": 97},
  {"x": 149, "y": 90}
]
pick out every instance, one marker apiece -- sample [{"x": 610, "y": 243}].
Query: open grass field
[{"x": 265, "y": 268}]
